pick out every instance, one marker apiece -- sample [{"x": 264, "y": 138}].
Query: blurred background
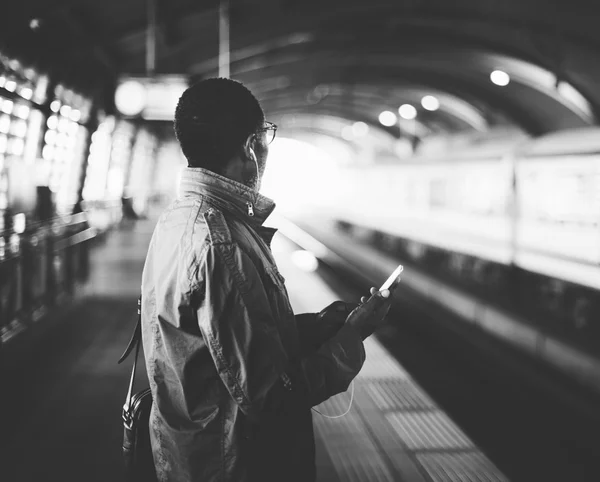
[{"x": 460, "y": 139}]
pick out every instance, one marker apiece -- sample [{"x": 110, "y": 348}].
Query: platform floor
[{"x": 66, "y": 425}]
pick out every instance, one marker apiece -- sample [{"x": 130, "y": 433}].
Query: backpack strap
[
  {"x": 135, "y": 341},
  {"x": 135, "y": 336}
]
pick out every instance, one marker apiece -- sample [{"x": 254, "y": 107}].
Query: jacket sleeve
[
  {"x": 330, "y": 369},
  {"x": 314, "y": 330},
  {"x": 235, "y": 319},
  {"x": 308, "y": 331},
  {"x": 238, "y": 326}
]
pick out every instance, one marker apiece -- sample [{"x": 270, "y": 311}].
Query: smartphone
[{"x": 393, "y": 280}]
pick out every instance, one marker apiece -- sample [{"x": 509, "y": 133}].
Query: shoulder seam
[{"x": 218, "y": 230}]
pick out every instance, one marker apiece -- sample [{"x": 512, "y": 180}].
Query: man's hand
[
  {"x": 316, "y": 329},
  {"x": 333, "y": 317},
  {"x": 336, "y": 313},
  {"x": 371, "y": 313}
]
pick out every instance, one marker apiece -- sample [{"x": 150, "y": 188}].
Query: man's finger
[{"x": 383, "y": 294}]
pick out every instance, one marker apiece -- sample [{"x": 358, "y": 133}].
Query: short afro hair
[{"x": 212, "y": 120}]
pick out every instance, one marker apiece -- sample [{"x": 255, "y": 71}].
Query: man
[{"x": 233, "y": 372}]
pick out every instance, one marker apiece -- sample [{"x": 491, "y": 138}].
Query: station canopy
[{"x": 459, "y": 66}]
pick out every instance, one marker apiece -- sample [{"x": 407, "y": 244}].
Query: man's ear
[{"x": 249, "y": 148}]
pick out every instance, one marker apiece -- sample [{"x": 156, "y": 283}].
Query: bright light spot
[
  {"x": 75, "y": 115},
  {"x": 18, "y": 146},
  {"x": 387, "y": 118},
  {"x": 7, "y": 106},
  {"x": 130, "y": 97},
  {"x": 294, "y": 169},
  {"x": 4, "y": 124},
  {"x": 407, "y": 111},
  {"x": 62, "y": 139},
  {"x": 26, "y": 93},
  {"x": 63, "y": 124},
  {"x": 10, "y": 85},
  {"x": 305, "y": 260},
  {"x": 48, "y": 152},
  {"x": 360, "y": 129},
  {"x": 65, "y": 110},
  {"x": 3, "y": 143},
  {"x": 429, "y": 102},
  {"x": 19, "y": 223},
  {"x": 348, "y": 133},
  {"x": 50, "y": 137},
  {"x": 52, "y": 122},
  {"x": 2, "y": 81},
  {"x": 22, "y": 111},
  {"x": 499, "y": 77},
  {"x": 55, "y": 106},
  {"x": 20, "y": 128}
]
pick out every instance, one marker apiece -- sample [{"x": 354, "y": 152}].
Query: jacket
[{"x": 232, "y": 384}]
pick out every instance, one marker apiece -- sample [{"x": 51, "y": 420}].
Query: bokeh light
[
  {"x": 387, "y": 118},
  {"x": 407, "y": 111},
  {"x": 499, "y": 77}
]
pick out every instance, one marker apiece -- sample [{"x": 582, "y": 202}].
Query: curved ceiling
[{"x": 346, "y": 58}]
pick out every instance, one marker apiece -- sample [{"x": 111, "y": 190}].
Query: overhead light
[
  {"x": 347, "y": 133},
  {"x": 19, "y": 223},
  {"x": 130, "y": 97},
  {"x": 19, "y": 128},
  {"x": 305, "y": 260},
  {"x": 387, "y": 118},
  {"x": 26, "y": 93},
  {"x": 360, "y": 129},
  {"x": 407, "y": 111},
  {"x": 7, "y": 106},
  {"x": 75, "y": 115},
  {"x": 22, "y": 111},
  {"x": 18, "y": 146},
  {"x": 5, "y": 124},
  {"x": 50, "y": 137},
  {"x": 429, "y": 102},
  {"x": 52, "y": 122},
  {"x": 35, "y": 24},
  {"x": 499, "y": 77}
]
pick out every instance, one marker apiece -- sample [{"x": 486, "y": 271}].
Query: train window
[
  {"x": 64, "y": 144},
  {"x": 98, "y": 160},
  {"x": 20, "y": 120}
]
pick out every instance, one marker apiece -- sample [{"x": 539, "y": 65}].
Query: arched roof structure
[{"x": 351, "y": 59}]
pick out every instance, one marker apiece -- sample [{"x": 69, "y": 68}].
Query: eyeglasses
[{"x": 270, "y": 129}]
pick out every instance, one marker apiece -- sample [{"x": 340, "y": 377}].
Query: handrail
[
  {"x": 59, "y": 229},
  {"x": 62, "y": 220},
  {"x": 78, "y": 238}
]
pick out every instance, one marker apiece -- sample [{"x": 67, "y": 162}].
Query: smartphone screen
[{"x": 393, "y": 280}]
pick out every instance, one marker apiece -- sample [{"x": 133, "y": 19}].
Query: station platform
[{"x": 66, "y": 424}]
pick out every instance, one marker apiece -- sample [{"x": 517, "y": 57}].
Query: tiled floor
[{"x": 67, "y": 427}]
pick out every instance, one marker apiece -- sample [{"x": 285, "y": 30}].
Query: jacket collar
[{"x": 226, "y": 194}]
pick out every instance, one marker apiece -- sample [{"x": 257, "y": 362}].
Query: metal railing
[{"x": 41, "y": 267}]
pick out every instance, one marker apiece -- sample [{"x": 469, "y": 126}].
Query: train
[{"x": 515, "y": 220}]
